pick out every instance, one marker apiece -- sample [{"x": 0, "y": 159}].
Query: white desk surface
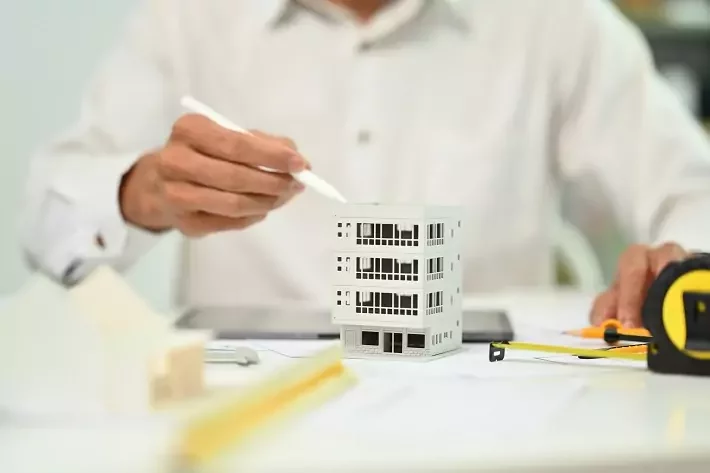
[
  {"x": 462, "y": 413},
  {"x": 521, "y": 414}
]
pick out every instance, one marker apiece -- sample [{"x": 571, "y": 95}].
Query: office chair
[{"x": 576, "y": 258}]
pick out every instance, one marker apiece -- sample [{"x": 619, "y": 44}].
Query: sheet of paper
[
  {"x": 221, "y": 375},
  {"x": 471, "y": 362},
  {"x": 554, "y": 336},
  {"x": 401, "y": 409},
  {"x": 227, "y": 344},
  {"x": 601, "y": 362},
  {"x": 293, "y": 348}
]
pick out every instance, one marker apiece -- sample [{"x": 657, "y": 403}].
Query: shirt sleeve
[
  {"x": 621, "y": 125},
  {"x": 72, "y": 219}
]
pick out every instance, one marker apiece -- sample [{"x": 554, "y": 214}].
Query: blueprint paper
[{"x": 403, "y": 409}]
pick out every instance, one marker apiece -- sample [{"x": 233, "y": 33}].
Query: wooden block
[{"x": 180, "y": 374}]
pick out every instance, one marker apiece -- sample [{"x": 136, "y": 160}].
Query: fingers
[
  {"x": 665, "y": 254},
  {"x": 288, "y": 142},
  {"x": 180, "y": 163},
  {"x": 638, "y": 267},
  {"x": 206, "y": 137},
  {"x": 210, "y": 176},
  {"x": 184, "y": 197},
  {"x": 633, "y": 277},
  {"x": 199, "y": 224},
  {"x": 604, "y": 307},
  {"x": 287, "y": 197}
]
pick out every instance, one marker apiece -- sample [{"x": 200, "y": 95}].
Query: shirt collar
[{"x": 276, "y": 12}]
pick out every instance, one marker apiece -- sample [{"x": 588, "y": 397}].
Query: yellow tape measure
[
  {"x": 677, "y": 313},
  {"x": 497, "y": 351}
]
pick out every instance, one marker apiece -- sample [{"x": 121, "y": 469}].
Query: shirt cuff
[
  {"x": 100, "y": 235},
  {"x": 688, "y": 225}
]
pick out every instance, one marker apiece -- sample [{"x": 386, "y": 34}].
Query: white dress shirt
[{"x": 486, "y": 104}]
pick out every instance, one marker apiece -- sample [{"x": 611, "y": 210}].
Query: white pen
[{"x": 305, "y": 177}]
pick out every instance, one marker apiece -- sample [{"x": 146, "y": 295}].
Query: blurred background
[
  {"x": 678, "y": 32},
  {"x": 49, "y": 50}
]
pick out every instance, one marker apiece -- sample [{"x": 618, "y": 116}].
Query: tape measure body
[{"x": 677, "y": 313}]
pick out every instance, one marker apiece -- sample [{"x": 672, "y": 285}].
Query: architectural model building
[
  {"x": 94, "y": 349},
  {"x": 397, "y": 280}
]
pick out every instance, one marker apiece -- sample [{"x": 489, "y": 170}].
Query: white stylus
[{"x": 306, "y": 177}]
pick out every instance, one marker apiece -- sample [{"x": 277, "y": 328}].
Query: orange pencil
[{"x": 598, "y": 332}]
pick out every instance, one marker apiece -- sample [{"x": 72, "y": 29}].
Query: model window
[
  {"x": 435, "y": 234},
  {"x": 388, "y": 342},
  {"x": 397, "y": 343},
  {"x": 435, "y": 302},
  {"x": 386, "y": 303},
  {"x": 371, "y": 338},
  {"x": 387, "y": 234},
  {"x": 415, "y": 340},
  {"x": 387, "y": 269},
  {"x": 367, "y": 230},
  {"x": 435, "y": 268}
]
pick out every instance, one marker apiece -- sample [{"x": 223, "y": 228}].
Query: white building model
[{"x": 397, "y": 273}]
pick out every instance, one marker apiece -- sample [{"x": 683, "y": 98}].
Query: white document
[
  {"x": 470, "y": 363},
  {"x": 600, "y": 362},
  {"x": 293, "y": 348},
  {"x": 412, "y": 409}
]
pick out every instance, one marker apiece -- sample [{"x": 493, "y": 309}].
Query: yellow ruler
[{"x": 232, "y": 420}]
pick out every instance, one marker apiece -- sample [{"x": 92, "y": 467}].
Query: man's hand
[
  {"x": 206, "y": 180},
  {"x": 638, "y": 267}
]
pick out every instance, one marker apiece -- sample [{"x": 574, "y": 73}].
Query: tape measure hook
[{"x": 495, "y": 352}]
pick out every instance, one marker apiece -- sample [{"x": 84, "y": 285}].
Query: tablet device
[
  {"x": 274, "y": 323},
  {"x": 485, "y": 326}
]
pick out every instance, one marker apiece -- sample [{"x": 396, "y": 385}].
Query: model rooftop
[{"x": 397, "y": 211}]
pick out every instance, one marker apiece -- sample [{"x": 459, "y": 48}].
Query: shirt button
[
  {"x": 363, "y": 137},
  {"x": 365, "y": 46}
]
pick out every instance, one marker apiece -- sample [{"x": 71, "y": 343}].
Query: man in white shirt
[{"x": 486, "y": 104}]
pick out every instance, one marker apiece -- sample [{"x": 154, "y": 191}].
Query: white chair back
[{"x": 576, "y": 254}]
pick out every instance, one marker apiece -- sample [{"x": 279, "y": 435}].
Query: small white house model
[
  {"x": 94, "y": 349},
  {"x": 397, "y": 273}
]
